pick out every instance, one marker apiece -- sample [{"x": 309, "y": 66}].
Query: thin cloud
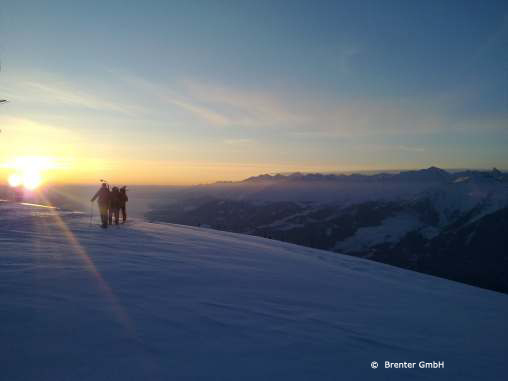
[
  {"x": 246, "y": 108},
  {"x": 207, "y": 114},
  {"x": 52, "y": 91},
  {"x": 300, "y": 115},
  {"x": 238, "y": 141},
  {"x": 217, "y": 105},
  {"x": 158, "y": 94},
  {"x": 69, "y": 96}
]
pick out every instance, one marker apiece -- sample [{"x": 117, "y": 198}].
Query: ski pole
[{"x": 91, "y": 212}]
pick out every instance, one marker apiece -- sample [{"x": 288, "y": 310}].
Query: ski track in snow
[{"x": 163, "y": 301}]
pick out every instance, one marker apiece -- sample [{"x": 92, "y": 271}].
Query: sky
[{"x": 187, "y": 92}]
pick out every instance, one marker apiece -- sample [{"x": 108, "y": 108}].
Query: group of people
[{"x": 111, "y": 202}]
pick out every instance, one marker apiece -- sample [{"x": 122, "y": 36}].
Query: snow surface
[
  {"x": 148, "y": 301},
  {"x": 390, "y": 231}
]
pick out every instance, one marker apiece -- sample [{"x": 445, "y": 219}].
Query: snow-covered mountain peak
[{"x": 431, "y": 174}]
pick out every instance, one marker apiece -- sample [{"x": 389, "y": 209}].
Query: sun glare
[
  {"x": 31, "y": 180},
  {"x": 28, "y": 171},
  {"x": 15, "y": 180}
]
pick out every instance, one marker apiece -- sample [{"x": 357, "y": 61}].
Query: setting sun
[
  {"x": 28, "y": 171},
  {"x": 31, "y": 180},
  {"x": 15, "y": 180}
]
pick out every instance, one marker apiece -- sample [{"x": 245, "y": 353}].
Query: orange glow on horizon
[{"x": 138, "y": 172}]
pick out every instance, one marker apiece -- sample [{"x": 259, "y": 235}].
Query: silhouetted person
[
  {"x": 123, "y": 202},
  {"x": 114, "y": 205},
  {"x": 103, "y": 199}
]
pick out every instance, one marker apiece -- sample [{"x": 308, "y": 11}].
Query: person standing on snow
[
  {"x": 103, "y": 199},
  {"x": 114, "y": 205},
  {"x": 123, "y": 201}
]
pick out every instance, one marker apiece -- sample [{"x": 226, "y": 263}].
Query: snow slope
[{"x": 157, "y": 302}]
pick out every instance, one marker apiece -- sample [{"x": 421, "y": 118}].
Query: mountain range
[{"x": 450, "y": 224}]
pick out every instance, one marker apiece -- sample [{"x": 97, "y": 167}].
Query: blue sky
[{"x": 196, "y": 91}]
